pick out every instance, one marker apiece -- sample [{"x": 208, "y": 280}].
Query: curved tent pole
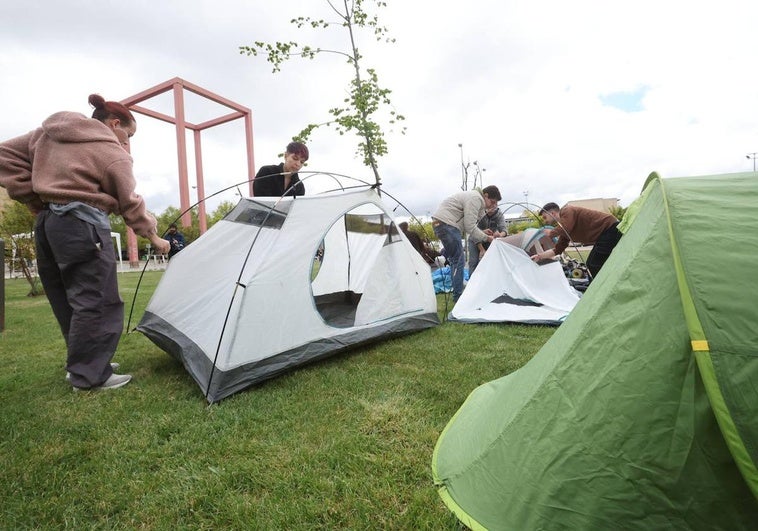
[
  {"x": 427, "y": 238},
  {"x": 222, "y": 190},
  {"x": 238, "y": 283}
]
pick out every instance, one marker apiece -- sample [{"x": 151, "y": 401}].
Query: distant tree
[
  {"x": 118, "y": 226},
  {"x": 221, "y": 210},
  {"x": 424, "y": 230},
  {"x": 617, "y": 211},
  {"x": 172, "y": 215},
  {"x": 521, "y": 226},
  {"x": 16, "y": 228},
  {"x": 365, "y": 97}
]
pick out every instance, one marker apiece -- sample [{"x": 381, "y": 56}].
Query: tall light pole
[
  {"x": 479, "y": 174},
  {"x": 464, "y": 171},
  {"x": 752, "y": 156}
]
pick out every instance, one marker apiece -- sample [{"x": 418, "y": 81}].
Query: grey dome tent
[
  {"x": 641, "y": 411},
  {"x": 280, "y": 282}
]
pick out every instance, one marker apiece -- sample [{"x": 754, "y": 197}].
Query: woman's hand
[{"x": 160, "y": 245}]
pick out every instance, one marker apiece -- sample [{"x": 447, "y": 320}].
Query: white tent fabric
[
  {"x": 508, "y": 287},
  {"x": 338, "y": 272},
  {"x": 249, "y": 299},
  {"x": 532, "y": 240}
]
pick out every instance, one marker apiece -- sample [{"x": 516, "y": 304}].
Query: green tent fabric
[{"x": 641, "y": 411}]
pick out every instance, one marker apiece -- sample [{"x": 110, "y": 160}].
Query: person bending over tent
[
  {"x": 281, "y": 179},
  {"x": 71, "y": 173},
  {"x": 457, "y": 214},
  {"x": 579, "y": 224},
  {"x": 417, "y": 243},
  {"x": 493, "y": 220}
]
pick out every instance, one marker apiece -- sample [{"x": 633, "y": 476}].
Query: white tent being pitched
[
  {"x": 531, "y": 240},
  {"x": 281, "y": 282},
  {"x": 508, "y": 287}
]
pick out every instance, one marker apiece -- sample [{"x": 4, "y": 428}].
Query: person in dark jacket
[
  {"x": 281, "y": 179},
  {"x": 176, "y": 239}
]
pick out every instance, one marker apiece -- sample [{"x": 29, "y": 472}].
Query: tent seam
[{"x": 702, "y": 353}]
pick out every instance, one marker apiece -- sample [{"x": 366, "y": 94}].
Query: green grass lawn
[{"x": 345, "y": 443}]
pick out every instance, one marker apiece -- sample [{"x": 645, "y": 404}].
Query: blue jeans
[
  {"x": 451, "y": 240},
  {"x": 473, "y": 256}
]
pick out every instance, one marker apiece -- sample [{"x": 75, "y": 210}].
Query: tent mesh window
[
  {"x": 259, "y": 214},
  {"x": 360, "y": 236}
]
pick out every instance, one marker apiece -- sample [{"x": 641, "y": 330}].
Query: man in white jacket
[{"x": 457, "y": 214}]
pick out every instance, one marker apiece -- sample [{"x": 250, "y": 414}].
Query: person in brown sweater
[
  {"x": 578, "y": 224},
  {"x": 72, "y": 173}
]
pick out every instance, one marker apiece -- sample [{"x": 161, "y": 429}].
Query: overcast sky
[{"x": 554, "y": 100}]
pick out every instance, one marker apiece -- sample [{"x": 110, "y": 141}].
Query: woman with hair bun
[{"x": 72, "y": 172}]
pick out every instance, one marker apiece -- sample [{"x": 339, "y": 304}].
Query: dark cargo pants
[
  {"x": 77, "y": 266},
  {"x": 602, "y": 249}
]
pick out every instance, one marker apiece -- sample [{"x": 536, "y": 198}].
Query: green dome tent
[{"x": 641, "y": 411}]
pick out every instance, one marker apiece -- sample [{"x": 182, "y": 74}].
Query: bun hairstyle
[{"x": 110, "y": 109}]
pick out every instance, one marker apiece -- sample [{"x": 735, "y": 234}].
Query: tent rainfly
[
  {"x": 508, "y": 287},
  {"x": 280, "y": 282},
  {"x": 641, "y": 411}
]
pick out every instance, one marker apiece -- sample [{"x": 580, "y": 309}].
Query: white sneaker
[
  {"x": 115, "y": 365},
  {"x": 114, "y": 382}
]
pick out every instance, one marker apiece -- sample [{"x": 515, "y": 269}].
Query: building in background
[{"x": 598, "y": 203}]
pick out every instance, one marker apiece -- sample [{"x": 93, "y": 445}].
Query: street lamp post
[
  {"x": 752, "y": 156},
  {"x": 464, "y": 171},
  {"x": 479, "y": 174}
]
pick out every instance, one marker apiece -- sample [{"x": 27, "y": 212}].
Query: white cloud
[{"x": 519, "y": 84}]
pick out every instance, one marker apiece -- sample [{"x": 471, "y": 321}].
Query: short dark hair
[
  {"x": 548, "y": 207},
  {"x": 299, "y": 149},
  {"x": 492, "y": 192},
  {"x": 403, "y": 226}
]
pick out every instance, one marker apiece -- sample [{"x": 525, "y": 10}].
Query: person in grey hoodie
[
  {"x": 459, "y": 214},
  {"x": 72, "y": 173}
]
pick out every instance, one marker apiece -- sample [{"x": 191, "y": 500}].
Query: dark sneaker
[
  {"x": 115, "y": 365},
  {"x": 114, "y": 382}
]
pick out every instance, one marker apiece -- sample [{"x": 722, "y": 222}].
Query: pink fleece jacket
[{"x": 74, "y": 158}]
